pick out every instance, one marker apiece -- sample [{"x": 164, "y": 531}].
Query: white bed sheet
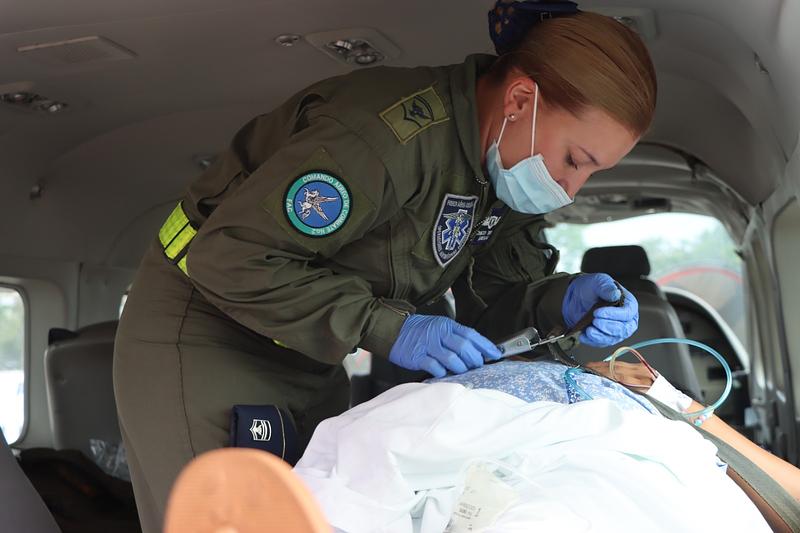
[{"x": 398, "y": 464}]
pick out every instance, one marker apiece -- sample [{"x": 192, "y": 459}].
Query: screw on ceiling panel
[
  {"x": 36, "y": 192},
  {"x": 366, "y": 58},
  {"x": 50, "y": 107},
  {"x": 287, "y": 39},
  {"x": 19, "y": 98},
  {"x": 204, "y": 161}
]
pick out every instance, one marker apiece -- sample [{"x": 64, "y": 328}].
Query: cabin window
[
  {"x": 12, "y": 362},
  {"x": 687, "y": 252}
]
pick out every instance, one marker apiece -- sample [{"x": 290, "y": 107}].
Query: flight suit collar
[{"x": 463, "y": 82}]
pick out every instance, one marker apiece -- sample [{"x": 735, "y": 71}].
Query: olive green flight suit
[{"x": 261, "y": 307}]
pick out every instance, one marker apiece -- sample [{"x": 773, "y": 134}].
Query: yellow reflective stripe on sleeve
[
  {"x": 174, "y": 224},
  {"x": 175, "y": 235},
  {"x": 182, "y": 265},
  {"x": 181, "y": 240}
]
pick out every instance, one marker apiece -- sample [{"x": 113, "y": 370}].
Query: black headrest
[
  {"x": 617, "y": 261},
  {"x": 101, "y": 330}
]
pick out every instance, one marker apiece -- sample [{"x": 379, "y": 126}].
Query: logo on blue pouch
[
  {"x": 453, "y": 226},
  {"x": 261, "y": 429}
]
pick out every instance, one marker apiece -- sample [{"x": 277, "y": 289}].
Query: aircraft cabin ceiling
[{"x": 154, "y": 87}]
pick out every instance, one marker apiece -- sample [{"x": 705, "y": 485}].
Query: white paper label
[{"x": 485, "y": 498}]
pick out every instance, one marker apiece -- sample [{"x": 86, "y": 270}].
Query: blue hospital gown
[{"x": 534, "y": 381}]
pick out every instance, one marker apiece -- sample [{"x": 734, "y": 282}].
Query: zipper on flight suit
[
  {"x": 475, "y": 227},
  {"x": 401, "y": 312}
]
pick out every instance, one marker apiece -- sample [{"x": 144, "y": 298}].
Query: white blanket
[{"x": 399, "y": 462}]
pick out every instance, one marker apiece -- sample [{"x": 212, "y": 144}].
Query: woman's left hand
[{"x": 627, "y": 373}]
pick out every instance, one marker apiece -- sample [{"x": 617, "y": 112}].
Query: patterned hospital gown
[{"x": 545, "y": 381}]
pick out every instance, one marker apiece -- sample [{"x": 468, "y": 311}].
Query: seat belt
[{"x": 779, "y": 508}]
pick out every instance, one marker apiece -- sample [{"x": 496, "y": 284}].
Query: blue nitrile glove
[
  {"x": 611, "y": 324},
  {"x": 439, "y": 344}
]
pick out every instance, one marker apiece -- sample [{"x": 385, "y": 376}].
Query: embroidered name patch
[
  {"x": 486, "y": 228},
  {"x": 317, "y": 204},
  {"x": 453, "y": 226},
  {"x": 414, "y": 114}
]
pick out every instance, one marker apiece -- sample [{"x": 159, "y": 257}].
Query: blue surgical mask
[{"x": 527, "y": 187}]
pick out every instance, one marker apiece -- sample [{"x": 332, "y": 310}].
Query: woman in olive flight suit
[{"x": 331, "y": 218}]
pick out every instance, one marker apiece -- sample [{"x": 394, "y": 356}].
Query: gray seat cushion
[
  {"x": 21, "y": 507},
  {"x": 80, "y": 389}
]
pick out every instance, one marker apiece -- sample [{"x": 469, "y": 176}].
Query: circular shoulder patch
[{"x": 317, "y": 204}]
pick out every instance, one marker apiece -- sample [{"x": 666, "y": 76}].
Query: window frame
[{"x": 26, "y": 360}]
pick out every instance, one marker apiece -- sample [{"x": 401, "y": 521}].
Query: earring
[{"x": 512, "y": 117}]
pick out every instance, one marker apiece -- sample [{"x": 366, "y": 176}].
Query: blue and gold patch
[
  {"x": 317, "y": 204},
  {"x": 453, "y": 227}
]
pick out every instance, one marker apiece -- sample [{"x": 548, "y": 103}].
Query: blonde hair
[{"x": 588, "y": 60}]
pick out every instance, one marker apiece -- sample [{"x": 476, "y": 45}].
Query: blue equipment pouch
[{"x": 264, "y": 427}]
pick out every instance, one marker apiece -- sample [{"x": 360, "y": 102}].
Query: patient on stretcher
[{"x": 528, "y": 449}]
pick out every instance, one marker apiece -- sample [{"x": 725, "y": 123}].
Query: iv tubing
[{"x": 670, "y": 340}]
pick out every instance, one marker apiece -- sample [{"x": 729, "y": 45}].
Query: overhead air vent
[
  {"x": 28, "y": 101},
  {"x": 358, "y": 47},
  {"x": 73, "y": 52}
]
